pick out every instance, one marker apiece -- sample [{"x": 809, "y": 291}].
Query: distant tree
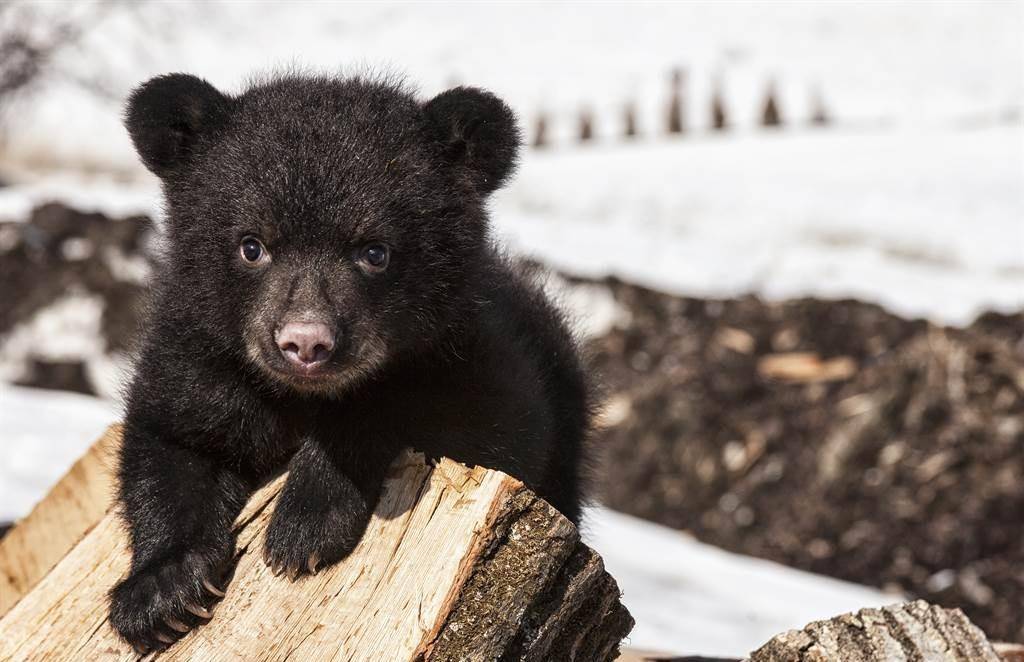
[
  {"x": 676, "y": 104},
  {"x": 719, "y": 117},
  {"x": 819, "y": 115},
  {"x": 770, "y": 115},
  {"x": 586, "y": 133},
  {"x": 629, "y": 120},
  {"x": 540, "y": 130}
]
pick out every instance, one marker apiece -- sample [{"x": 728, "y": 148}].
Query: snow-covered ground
[
  {"x": 44, "y": 432},
  {"x": 686, "y": 597},
  {"x": 692, "y": 598},
  {"x": 928, "y": 223}
]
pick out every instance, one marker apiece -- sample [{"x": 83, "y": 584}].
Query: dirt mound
[
  {"x": 829, "y": 436},
  {"x": 57, "y": 254}
]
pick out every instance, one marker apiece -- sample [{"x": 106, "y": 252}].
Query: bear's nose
[{"x": 306, "y": 344}]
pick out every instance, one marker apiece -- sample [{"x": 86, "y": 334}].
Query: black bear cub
[{"x": 327, "y": 294}]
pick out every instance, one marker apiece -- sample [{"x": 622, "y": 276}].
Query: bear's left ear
[
  {"x": 476, "y": 132},
  {"x": 172, "y": 118}
]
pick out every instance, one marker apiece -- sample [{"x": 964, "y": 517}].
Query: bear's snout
[{"x": 305, "y": 344}]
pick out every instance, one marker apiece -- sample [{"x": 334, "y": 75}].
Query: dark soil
[
  {"x": 61, "y": 375},
  {"x": 904, "y": 471}
]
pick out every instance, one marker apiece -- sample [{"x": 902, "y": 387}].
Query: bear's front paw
[
  {"x": 158, "y": 603},
  {"x": 303, "y": 538}
]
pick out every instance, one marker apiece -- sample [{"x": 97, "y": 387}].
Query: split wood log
[
  {"x": 456, "y": 564},
  {"x": 898, "y": 633},
  {"x": 910, "y": 631}
]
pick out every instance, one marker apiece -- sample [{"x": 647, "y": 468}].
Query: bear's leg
[
  {"x": 179, "y": 506},
  {"x": 561, "y": 486},
  {"x": 324, "y": 507}
]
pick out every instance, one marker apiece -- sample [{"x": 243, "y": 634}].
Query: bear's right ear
[
  {"x": 477, "y": 133},
  {"x": 171, "y": 117}
]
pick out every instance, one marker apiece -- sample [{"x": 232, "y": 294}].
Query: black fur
[{"x": 450, "y": 350}]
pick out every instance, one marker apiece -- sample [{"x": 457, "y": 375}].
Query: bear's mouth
[
  {"x": 309, "y": 373},
  {"x": 316, "y": 376},
  {"x": 320, "y": 380},
  {"x": 314, "y": 372},
  {"x": 338, "y": 372}
]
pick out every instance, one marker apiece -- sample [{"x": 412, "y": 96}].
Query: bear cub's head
[{"x": 319, "y": 227}]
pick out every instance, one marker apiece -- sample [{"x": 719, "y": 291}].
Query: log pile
[{"x": 457, "y": 563}]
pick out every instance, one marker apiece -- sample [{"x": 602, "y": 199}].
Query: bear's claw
[
  {"x": 176, "y": 625},
  {"x": 197, "y": 610},
  {"x": 157, "y": 603},
  {"x": 212, "y": 589}
]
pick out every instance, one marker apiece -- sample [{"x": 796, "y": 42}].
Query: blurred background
[{"x": 791, "y": 233}]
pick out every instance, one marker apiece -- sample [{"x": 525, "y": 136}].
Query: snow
[
  {"x": 684, "y": 595},
  {"x": 44, "y": 432},
  {"x": 692, "y": 598},
  {"x": 927, "y": 223},
  {"x": 591, "y": 308},
  {"x": 88, "y": 193},
  {"x": 72, "y": 329}
]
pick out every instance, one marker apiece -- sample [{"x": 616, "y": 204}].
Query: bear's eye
[
  {"x": 253, "y": 251},
  {"x": 375, "y": 257}
]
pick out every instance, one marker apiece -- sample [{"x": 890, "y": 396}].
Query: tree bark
[{"x": 457, "y": 563}]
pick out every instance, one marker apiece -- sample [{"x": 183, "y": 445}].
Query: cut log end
[{"x": 537, "y": 594}]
